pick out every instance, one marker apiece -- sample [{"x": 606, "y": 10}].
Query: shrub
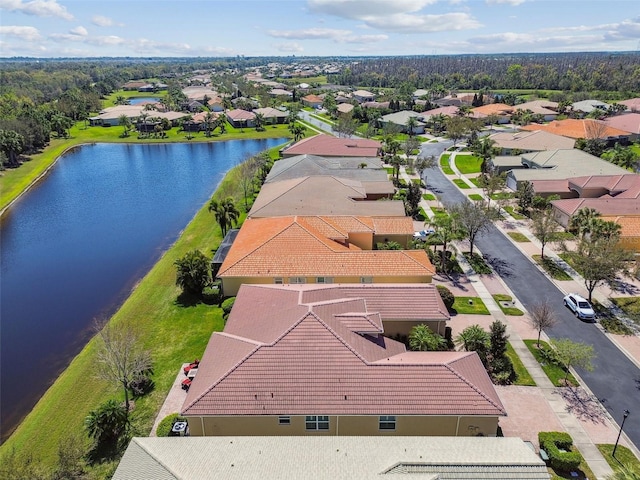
[
  {"x": 166, "y": 424},
  {"x": 226, "y": 306},
  {"x": 447, "y": 297},
  {"x": 141, "y": 386},
  {"x": 552, "y": 442}
]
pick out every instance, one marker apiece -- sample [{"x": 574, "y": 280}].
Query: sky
[{"x": 220, "y": 28}]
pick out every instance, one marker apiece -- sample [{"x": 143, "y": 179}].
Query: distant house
[
  {"x": 363, "y": 96},
  {"x": 586, "y": 128},
  {"x": 216, "y": 104},
  {"x": 633, "y": 104},
  {"x": 329, "y": 146},
  {"x": 588, "y": 106},
  {"x": 546, "y": 108},
  {"x": 629, "y": 122},
  {"x": 344, "y": 108},
  {"x": 134, "y": 85},
  {"x": 400, "y": 119},
  {"x": 272, "y": 115},
  {"x": 419, "y": 93},
  {"x": 380, "y": 105},
  {"x": 536, "y": 141},
  {"x": 321, "y": 249},
  {"x": 500, "y": 110},
  {"x": 241, "y": 118},
  {"x": 279, "y": 92},
  {"x": 449, "y": 111},
  {"x": 199, "y": 93},
  {"x": 313, "y": 101}
]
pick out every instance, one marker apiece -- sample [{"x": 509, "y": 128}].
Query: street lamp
[{"x": 624, "y": 417}]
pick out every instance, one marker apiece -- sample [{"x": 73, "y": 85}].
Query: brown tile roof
[
  {"x": 291, "y": 246},
  {"x": 550, "y": 186},
  {"x": 629, "y": 122},
  {"x": 493, "y": 109},
  {"x": 630, "y": 225},
  {"x": 303, "y": 358},
  {"x": 312, "y": 98},
  {"x": 574, "y": 128},
  {"x": 614, "y": 184},
  {"x": 238, "y": 114},
  {"x": 605, "y": 205},
  {"x": 449, "y": 111},
  {"x": 632, "y": 104},
  {"x": 328, "y": 146}
]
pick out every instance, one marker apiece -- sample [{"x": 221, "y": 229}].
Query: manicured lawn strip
[
  {"x": 623, "y": 455},
  {"x": 428, "y": 196},
  {"x": 551, "y": 267},
  {"x": 468, "y": 163},
  {"x": 630, "y": 306},
  {"x": 439, "y": 212},
  {"x": 513, "y": 213},
  {"x": 444, "y": 164},
  {"x": 522, "y": 374},
  {"x": 476, "y": 182},
  {"x": 173, "y": 333},
  {"x": 501, "y": 297},
  {"x": 462, "y": 306},
  {"x": 478, "y": 264},
  {"x": 562, "y": 236},
  {"x": 502, "y": 195},
  {"x": 518, "y": 237},
  {"x": 554, "y": 372},
  {"x": 461, "y": 183},
  {"x": 476, "y": 197}
]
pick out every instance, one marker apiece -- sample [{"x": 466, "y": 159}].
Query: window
[
  {"x": 284, "y": 420},
  {"x": 317, "y": 422},
  {"x": 366, "y": 279},
  {"x": 278, "y": 281},
  {"x": 387, "y": 422},
  {"x": 294, "y": 280},
  {"x": 324, "y": 280}
]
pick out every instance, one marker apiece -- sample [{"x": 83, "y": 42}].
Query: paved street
[{"x": 615, "y": 380}]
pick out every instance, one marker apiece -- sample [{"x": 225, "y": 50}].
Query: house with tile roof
[
  {"x": 586, "y": 128},
  {"x": 312, "y": 101},
  {"x": 272, "y": 115},
  {"x": 241, "y": 118},
  {"x": 344, "y": 108},
  {"x": 330, "y": 458},
  {"x": 524, "y": 142},
  {"x": 363, "y": 96},
  {"x": 329, "y": 146},
  {"x": 629, "y": 122},
  {"x": 501, "y": 110},
  {"x": 401, "y": 118},
  {"x": 290, "y": 365},
  {"x": 449, "y": 111},
  {"x": 326, "y": 195},
  {"x": 322, "y": 249},
  {"x": 546, "y": 108},
  {"x": 632, "y": 104},
  {"x": 588, "y": 106},
  {"x": 355, "y": 168}
]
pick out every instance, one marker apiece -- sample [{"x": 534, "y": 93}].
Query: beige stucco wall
[
  {"x": 403, "y": 327},
  {"x": 401, "y": 239},
  {"x": 344, "y": 426}
]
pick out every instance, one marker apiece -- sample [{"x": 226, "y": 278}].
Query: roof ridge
[
  {"x": 409, "y": 254},
  {"x": 327, "y": 242},
  {"x": 339, "y": 337},
  {"x": 294, "y": 183},
  {"x": 449, "y": 365},
  {"x": 155, "y": 458}
]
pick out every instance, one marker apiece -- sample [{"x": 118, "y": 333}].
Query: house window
[
  {"x": 284, "y": 420},
  {"x": 324, "y": 280},
  {"x": 317, "y": 422},
  {"x": 366, "y": 279},
  {"x": 294, "y": 280},
  {"x": 387, "y": 422},
  {"x": 278, "y": 281}
]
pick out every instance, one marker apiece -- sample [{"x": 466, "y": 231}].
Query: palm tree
[
  {"x": 412, "y": 124},
  {"x": 423, "y": 339},
  {"x": 297, "y": 130},
  {"x": 582, "y": 221},
  {"x": 107, "y": 423},
  {"x": 485, "y": 149},
  {"x": 209, "y": 123},
  {"x": 225, "y": 212},
  {"x": 125, "y": 123},
  {"x": 259, "y": 121},
  {"x": 474, "y": 339}
]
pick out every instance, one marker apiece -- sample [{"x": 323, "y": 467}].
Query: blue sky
[{"x": 81, "y": 28}]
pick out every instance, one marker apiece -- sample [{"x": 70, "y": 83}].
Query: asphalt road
[{"x": 615, "y": 380}]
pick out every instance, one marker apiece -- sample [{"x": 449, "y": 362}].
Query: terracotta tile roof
[
  {"x": 238, "y": 114},
  {"x": 312, "y": 99},
  {"x": 319, "y": 365},
  {"x": 269, "y": 112},
  {"x": 605, "y": 205},
  {"x": 614, "y": 184},
  {"x": 493, "y": 109},
  {"x": 629, "y": 122},
  {"x": 630, "y": 225},
  {"x": 291, "y": 246},
  {"x": 326, "y": 145},
  {"x": 574, "y": 128},
  {"x": 345, "y": 108}
]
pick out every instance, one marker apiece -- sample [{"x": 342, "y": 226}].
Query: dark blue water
[
  {"x": 139, "y": 100},
  {"x": 75, "y": 245}
]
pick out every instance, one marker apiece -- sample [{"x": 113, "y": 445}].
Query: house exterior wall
[
  {"x": 367, "y": 425},
  {"x": 403, "y": 327},
  {"x": 561, "y": 217},
  {"x": 630, "y": 243},
  {"x": 231, "y": 285},
  {"x": 401, "y": 239}
]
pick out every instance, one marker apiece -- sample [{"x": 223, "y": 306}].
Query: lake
[{"x": 73, "y": 247}]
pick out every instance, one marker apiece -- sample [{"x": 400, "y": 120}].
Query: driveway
[{"x": 615, "y": 380}]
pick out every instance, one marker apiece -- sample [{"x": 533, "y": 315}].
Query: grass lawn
[
  {"x": 476, "y": 181},
  {"x": 461, "y": 183},
  {"x": 470, "y": 305},
  {"x": 428, "y": 196},
  {"x": 522, "y": 374},
  {"x": 502, "y": 195},
  {"x": 518, "y": 237},
  {"x": 623, "y": 455},
  {"x": 444, "y": 164},
  {"x": 513, "y": 213},
  {"x": 468, "y": 163},
  {"x": 439, "y": 212},
  {"x": 552, "y": 268},
  {"x": 476, "y": 197},
  {"x": 562, "y": 236},
  {"x": 501, "y": 297},
  {"x": 555, "y": 373},
  {"x": 630, "y": 306},
  {"x": 174, "y": 329},
  {"x": 389, "y": 170},
  {"x": 477, "y": 263}
]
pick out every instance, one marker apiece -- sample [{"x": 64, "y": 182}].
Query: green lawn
[
  {"x": 476, "y": 181},
  {"x": 630, "y": 306},
  {"x": 461, "y": 183},
  {"x": 428, "y": 196},
  {"x": 623, "y": 455},
  {"x": 551, "y": 267},
  {"x": 554, "y": 372},
  {"x": 501, "y": 297},
  {"x": 522, "y": 374},
  {"x": 444, "y": 164},
  {"x": 174, "y": 330},
  {"x": 468, "y": 163},
  {"x": 518, "y": 237},
  {"x": 502, "y": 195},
  {"x": 439, "y": 212},
  {"x": 478, "y": 264},
  {"x": 470, "y": 305},
  {"x": 476, "y": 197},
  {"x": 512, "y": 211}
]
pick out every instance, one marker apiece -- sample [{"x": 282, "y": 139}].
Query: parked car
[
  {"x": 423, "y": 234},
  {"x": 579, "y": 306}
]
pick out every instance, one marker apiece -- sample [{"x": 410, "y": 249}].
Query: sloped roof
[
  {"x": 588, "y": 106},
  {"x": 345, "y": 107},
  {"x": 320, "y": 195},
  {"x": 538, "y": 106},
  {"x": 630, "y": 225},
  {"x": 269, "y": 112},
  {"x": 363, "y": 93},
  {"x": 328, "y": 146},
  {"x": 632, "y": 104},
  {"x": 312, "y": 98},
  {"x": 449, "y": 111},
  {"x": 344, "y": 167},
  {"x": 574, "y": 128},
  {"x": 352, "y": 374},
  {"x": 294, "y": 246},
  {"x": 493, "y": 109},
  {"x": 604, "y": 205},
  {"x": 239, "y": 114},
  {"x": 402, "y": 117},
  {"x": 629, "y": 122},
  {"x": 536, "y": 140},
  {"x": 329, "y": 458}
]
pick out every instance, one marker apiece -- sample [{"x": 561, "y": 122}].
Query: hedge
[
  {"x": 552, "y": 442},
  {"x": 166, "y": 424},
  {"x": 447, "y": 297}
]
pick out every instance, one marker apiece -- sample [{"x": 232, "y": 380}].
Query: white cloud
[
  {"x": 508, "y": 2},
  {"x": 102, "y": 21},
  {"x": 39, "y": 8},
  {"x": 338, "y": 36},
  {"x": 79, "y": 31},
  {"x": 29, "y": 34},
  {"x": 404, "y": 23},
  {"x": 291, "y": 47},
  {"x": 357, "y": 9}
]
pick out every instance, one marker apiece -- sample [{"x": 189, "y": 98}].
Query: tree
[
  {"x": 12, "y": 144},
  {"x": 391, "y": 245},
  {"x": 581, "y": 221},
  {"x": 500, "y": 365},
  {"x": 541, "y": 317},
  {"x": 573, "y": 354},
  {"x": 18, "y": 466},
  {"x": 412, "y": 200},
  {"x": 125, "y": 123},
  {"x": 423, "y": 163},
  {"x": 544, "y": 227},
  {"x": 259, "y": 122},
  {"x": 120, "y": 358},
  {"x": 70, "y": 464},
  {"x": 412, "y": 124},
  {"x": 485, "y": 149},
  {"x": 525, "y": 194},
  {"x": 423, "y": 339},
  {"x": 457, "y": 128},
  {"x": 446, "y": 229},
  {"x": 297, "y": 130},
  {"x": 474, "y": 219},
  {"x": 107, "y": 424},
  {"x": 209, "y": 123},
  {"x": 411, "y": 144},
  {"x": 60, "y": 123},
  {"x": 193, "y": 272},
  {"x": 491, "y": 183},
  {"x": 474, "y": 339},
  {"x": 346, "y": 126},
  {"x": 225, "y": 212},
  {"x": 624, "y": 157}
]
